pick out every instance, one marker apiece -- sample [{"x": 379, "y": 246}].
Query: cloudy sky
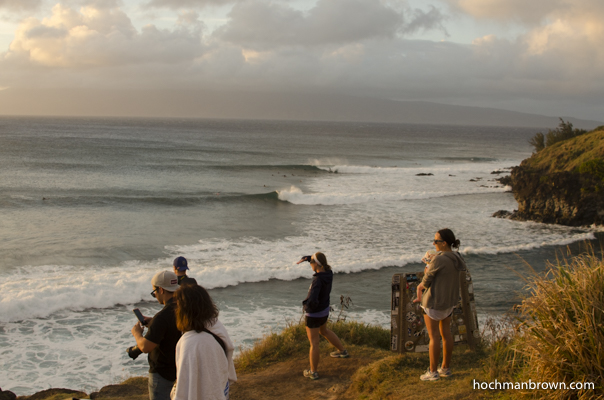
[{"x": 537, "y": 56}]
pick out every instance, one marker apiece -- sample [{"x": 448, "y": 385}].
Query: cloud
[
  {"x": 178, "y": 4},
  {"x": 262, "y": 25},
  {"x": 529, "y": 12},
  {"x": 18, "y": 5},
  {"x": 100, "y": 36}
]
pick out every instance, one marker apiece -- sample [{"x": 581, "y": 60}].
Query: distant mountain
[{"x": 250, "y": 105}]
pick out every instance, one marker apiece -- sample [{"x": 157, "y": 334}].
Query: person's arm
[
  {"x": 144, "y": 345},
  {"x": 435, "y": 266},
  {"x": 420, "y": 289}
]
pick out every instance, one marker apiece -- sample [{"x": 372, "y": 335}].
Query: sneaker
[
  {"x": 430, "y": 376},
  {"x": 340, "y": 354},
  {"x": 444, "y": 372},
  {"x": 310, "y": 374}
]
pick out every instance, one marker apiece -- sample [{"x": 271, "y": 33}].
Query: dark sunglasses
[
  {"x": 153, "y": 292},
  {"x": 438, "y": 241}
]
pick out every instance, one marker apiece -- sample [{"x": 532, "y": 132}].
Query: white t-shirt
[{"x": 202, "y": 368}]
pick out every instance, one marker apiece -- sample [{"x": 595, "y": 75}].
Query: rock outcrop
[
  {"x": 564, "y": 198},
  {"x": 562, "y": 184}
]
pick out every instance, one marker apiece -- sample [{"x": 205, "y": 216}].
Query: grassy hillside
[{"x": 569, "y": 155}]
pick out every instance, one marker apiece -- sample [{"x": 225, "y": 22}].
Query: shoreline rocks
[{"x": 564, "y": 198}]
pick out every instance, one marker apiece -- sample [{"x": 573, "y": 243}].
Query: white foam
[{"x": 356, "y": 184}]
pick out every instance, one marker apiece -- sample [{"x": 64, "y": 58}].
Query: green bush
[
  {"x": 593, "y": 167},
  {"x": 564, "y": 131}
]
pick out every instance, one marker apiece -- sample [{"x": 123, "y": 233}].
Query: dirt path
[{"x": 284, "y": 380}]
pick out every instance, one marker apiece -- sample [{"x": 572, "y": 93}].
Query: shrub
[
  {"x": 564, "y": 131},
  {"x": 562, "y": 334},
  {"x": 538, "y": 141},
  {"x": 593, "y": 167}
]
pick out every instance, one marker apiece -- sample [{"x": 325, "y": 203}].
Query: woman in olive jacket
[{"x": 441, "y": 282}]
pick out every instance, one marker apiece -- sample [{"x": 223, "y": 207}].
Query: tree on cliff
[{"x": 564, "y": 131}]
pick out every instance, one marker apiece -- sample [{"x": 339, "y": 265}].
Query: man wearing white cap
[{"x": 161, "y": 338}]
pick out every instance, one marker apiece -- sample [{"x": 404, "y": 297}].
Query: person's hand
[
  {"x": 147, "y": 320},
  {"x": 305, "y": 258},
  {"x": 138, "y": 328}
]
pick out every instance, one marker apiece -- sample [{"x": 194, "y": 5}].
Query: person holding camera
[
  {"x": 161, "y": 338},
  {"x": 316, "y": 307}
]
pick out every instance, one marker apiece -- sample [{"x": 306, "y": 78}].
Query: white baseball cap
[{"x": 166, "y": 280}]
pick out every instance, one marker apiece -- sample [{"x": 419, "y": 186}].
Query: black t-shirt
[
  {"x": 162, "y": 331},
  {"x": 185, "y": 280}
]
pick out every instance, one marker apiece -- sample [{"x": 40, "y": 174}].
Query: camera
[{"x": 133, "y": 352}]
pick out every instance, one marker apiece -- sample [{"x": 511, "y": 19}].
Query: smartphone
[{"x": 139, "y": 315}]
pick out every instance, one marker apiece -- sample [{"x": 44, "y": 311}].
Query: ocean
[{"x": 93, "y": 208}]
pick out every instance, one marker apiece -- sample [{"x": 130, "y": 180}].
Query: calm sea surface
[{"x": 91, "y": 209}]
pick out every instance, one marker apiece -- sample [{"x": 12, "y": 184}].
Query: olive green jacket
[{"x": 442, "y": 281}]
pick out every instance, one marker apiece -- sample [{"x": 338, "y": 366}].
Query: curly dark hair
[{"x": 195, "y": 309}]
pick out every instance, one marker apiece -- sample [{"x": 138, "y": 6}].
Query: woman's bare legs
[
  {"x": 314, "y": 355},
  {"x": 445, "y": 332},
  {"x": 313, "y": 338},
  {"x": 432, "y": 327},
  {"x": 331, "y": 337}
]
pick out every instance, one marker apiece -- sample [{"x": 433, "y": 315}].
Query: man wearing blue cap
[{"x": 180, "y": 269}]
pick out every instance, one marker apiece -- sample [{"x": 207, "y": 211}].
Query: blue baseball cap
[{"x": 180, "y": 263}]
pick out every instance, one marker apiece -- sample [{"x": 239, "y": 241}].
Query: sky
[{"x": 538, "y": 56}]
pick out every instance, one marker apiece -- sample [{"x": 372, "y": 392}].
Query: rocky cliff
[{"x": 563, "y": 183}]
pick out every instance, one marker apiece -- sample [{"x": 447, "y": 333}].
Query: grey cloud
[
  {"x": 47, "y": 32},
  {"x": 263, "y": 25},
  {"x": 98, "y": 38},
  {"x": 425, "y": 21},
  {"x": 18, "y": 5},
  {"x": 176, "y": 4}
]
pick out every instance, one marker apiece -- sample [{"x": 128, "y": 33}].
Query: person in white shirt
[{"x": 204, "y": 353}]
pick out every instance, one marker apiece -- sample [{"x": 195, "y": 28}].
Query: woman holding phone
[{"x": 316, "y": 307}]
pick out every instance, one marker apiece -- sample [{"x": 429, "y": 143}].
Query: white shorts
[{"x": 438, "y": 315}]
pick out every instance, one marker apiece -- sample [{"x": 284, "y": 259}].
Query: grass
[
  {"x": 292, "y": 341},
  {"x": 561, "y": 337},
  {"x": 569, "y": 155}
]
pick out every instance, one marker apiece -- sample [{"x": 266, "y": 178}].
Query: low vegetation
[
  {"x": 564, "y": 131},
  {"x": 580, "y": 154},
  {"x": 560, "y": 336},
  {"x": 292, "y": 341}
]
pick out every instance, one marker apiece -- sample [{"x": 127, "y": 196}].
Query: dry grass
[
  {"x": 292, "y": 341},
  {"x": 562, "y": 336}
]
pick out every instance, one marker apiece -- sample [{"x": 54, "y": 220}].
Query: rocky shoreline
[
  {"x": 554, "y": 186},
  {"x": 131, "y": 389}
]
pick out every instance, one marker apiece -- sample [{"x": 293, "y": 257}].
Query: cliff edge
[{"x": 563, "y": 183}]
